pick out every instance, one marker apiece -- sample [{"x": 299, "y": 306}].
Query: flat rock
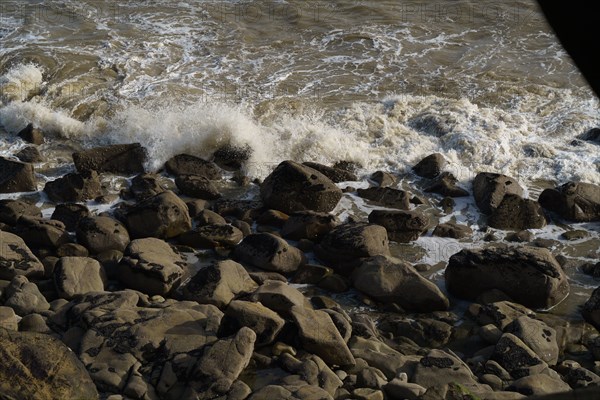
[
  {"x": 100, "y": 234},
  {"x": 269, "y": 252},
  {"x": 16, "y": 176},
  {"x": 401, "y": 226},
  {"x": 295, "y": 187},
  {"x": 387, "y": 197},
  {"x": 185, "y": 164},
  {"x": 16, "y": 258},
  {"x": 125, "y": 159},
  {"x": 389, "y": 280},
  {"x": 517, "y": 213},
  {"x": 574, "y": 201},
  {"x": 264, "y": 322},
  {"x": 489, "y": 190},
  {"x": 162, "y": 216},
  {"x": 530, "y": 276},
  {"x": 78, "y": 275}
]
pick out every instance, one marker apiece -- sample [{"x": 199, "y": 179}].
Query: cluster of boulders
[{"x": 141, "y": 322}]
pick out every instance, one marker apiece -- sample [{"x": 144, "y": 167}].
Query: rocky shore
[{"x": 183, "y": 291}]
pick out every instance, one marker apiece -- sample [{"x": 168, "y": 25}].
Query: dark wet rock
[
  {"x": 538, "y": 336},
  {"x": 31, "y": 135},
  {"x": 530, "y": 276},
  {"x": 383, "y": 179},
  {"x": 70, "y": 214},
  {"x": 308, "y": 225},
  {"x": 425, "y": 332},
  {"x": 489, "y": 190},
  {"x": 262, "y": 276},
  {"x": 219, "y": 284},
  {"x": 269, "y": 252},
  {"x": 23, "y": 297},
  {"x": 389, "y": 280},
  {"x": 72, "y": 250},
  {"x": 295, "y": 187},
  {"x": 125, "y": 159},
  {"x": 593, "y": 135},
  {"x": 16, "y": 176},
  {"x": 144, "y": 186},
  {"x": 439, "y": 367},
  {"x": 445, "y": 184},
  {"x": 431, "y": 166},
  {"x": 243, "y": 226},
  {"x": 29, "y": 154},
  {"x": 40, "y": 367},
  {"x": 212, "y": 236},
  {"x": 517, "y": 213},
  {"x": 185, "y": 164},
  {"x": 151, "y": 266},
  {"x": 272, "y": 218},
  {"x": 501, "y": 313},
  {"x": 16, "y": 258},
  {"x": 401, "y": 226},
  {"x": 319, "y": 335},
  {"x": 40, "y": 233},
  {"x": 12, "y": 210},
  {"x": 197, "y": 186},
  {"x": 311, "y": 274},
  {"x": 452, "y": 230},
  {"x": 515, "y": 357},
  {"x": 244, "y": 210},
  {"x": 74, "y": 187},
  {"x": 538, "y": 385},
  {"x": 337, "y": 175},
  {"x": 576, "y": 376},
  {"x": 232, "y": 158},
  {"x": 591, "y": 269},
  {"x": 591, "y": 309},
  {"x": 574, "y": 201},
  {"x": 110, "y": 262},
  {"x": 278, "y": 296},
  {"x": 576, "y": 234},
  {"x": 334, "y": 283},
  {"x": 387, "y": 197},
  {"x": 78, "y": 275},
  {"x": 520, "y": 236},
  {"x": 345, "y": 245},
  {"x": 265, "y": 323},
  {"x": 100, "y": 234},
  {"x": 163, "y": 216},
  {"x": 196, "y": 207}
]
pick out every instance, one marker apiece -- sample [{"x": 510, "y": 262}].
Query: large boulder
[
  {"x": 219, "y": 283},
  {"x": 269, "y": 252},
  {"x": 16, "y": 258},
  {"x": 387, "y": 197},
  {"x": 151, "y": 266},
  {"x": 489, "y": 189},
  {"x": 575, "y": 201},
  {"x": 295, "y": 187},
  {"x": 516, "y": 357},
  {"x": 163, "y": 216},
  {"x": 264, "y": 322},
  {"x": 38, "y": 233},
  {"x": 100, "y": 234},
  {"x": 530, "y": 276},
  {"x": 401, "y": 226},
  {"x": 40, "y": 367},
  {"x": 74, "y": 187},
  {"x": 345, "y": 245},
  {"x": 16, "y": 176},
  {"x": 517, "y": 213},
  {"x": 308, "y": 225},
  {"x": 431, "y": 166},
  {"x": 185, "y": 164},
  {"x": 538, "y": 336},
  {"x": 126, "y": 159},
  {"x": 78, "y": 275},
  {"x": 389, "y": 280},
  {"x": 12, "y": 210}
]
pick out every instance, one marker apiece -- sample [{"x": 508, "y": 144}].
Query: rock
[
  {"x": 31, "y": 135},
  {"x": 489, "y": 190},
  {"x": 24, "y": 297},
  {"x": 185, "y": 164},
  {"x": 243, "y": 210},
  {"x": 517, "y": 213},
  {"x": 383, "y": 179},
  {"x": 40, "y": 233},
  {"x": 264, "y": 322},
  {"x": 425, "y": 332},
  {"x": 576, "y": 234},
  {"x": 370, "y": 377},
  {"x": 12, "y": 210},
  {"x": 337, "y": 175},
  {"x": 232, "y": 158},
  {"x": 539, "y": 384},
  {"x": 519, "y": 237},
  {"x": 219, "y": 283},
  {"x": 74, "y": 187},
  {"x": 500, "y": 313},
  {"x": 78, "y": 275},
  {"x": 445, "y": 184},
  {"x": 576, "y": 376},
  {"x": 272, "y": 218},
  {"x": 400, "y": 390},
  {"x": 367, "y": 394},
  {"x": 211, "y": 236},
  {"x": 490, "y": 333},
  {"x": 197, "y": 186},
  {"x": 100, "y": 234},
  {"x": 278, "y": 296},
  {"x": 401, "y": 226},
  {"x": 72, "y": 250},
  {"x": 514, "y": 356},
  {"x": 311, "y": 370},
  {"x": 144, "y": 186},
  {"x": 16, "y": 176},
  {"x": 295, "y": 187},
  {"x": 311, "y": 274},
  {"x": 439, "y": 367},
  {"x": 70, "y": 214},
  {"x": 8, "y": 319},
  {"x": 387, "y": 197},
  {"x": 319, "y": 336},
  {"x": 16, "y": 258},
  {"x": 163, "y": 216},
  {"x": 538, "y": 336},
  {"x": 33, "y": 323},
  {"x": 125, "y": 159},
  {"x": 346, "y": 244},
  {"x": 574, "y": 201},
  {"x": 269, "y": 252},
  {"x": 452, "y": 230},
  {"x": 431, "y": 166},
  {"x": 207, "y": 217},
  {"x": 37, "y": 366},
  {"x": 530, "y": 276},
  {"x": 389, "y": 280},
  {"x": 308, "y": 225},
  {"x": 287, "y": 392},
  {"x": 151, "y": 266},
  {"x": 29, "y": 154},
  {"x": 591, "y": 309}
]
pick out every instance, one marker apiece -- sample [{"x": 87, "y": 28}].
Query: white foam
[{"x": 20, "y": 82}]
